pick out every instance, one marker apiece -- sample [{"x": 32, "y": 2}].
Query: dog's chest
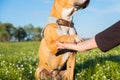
[{"x": 64, "y": 30}]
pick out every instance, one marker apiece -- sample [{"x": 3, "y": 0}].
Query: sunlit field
[{"x": 18, "y": 61}]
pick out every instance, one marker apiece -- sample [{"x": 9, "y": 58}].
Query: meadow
[{"x": 18, "y": 61}]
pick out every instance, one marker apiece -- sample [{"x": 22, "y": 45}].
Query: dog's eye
[
  {"x": 77, "y": 5},
  {"x": 83, "y": 5}
]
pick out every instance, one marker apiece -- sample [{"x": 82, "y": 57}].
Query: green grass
[
  {"x": 18, "y": 61},
  {"x": 96, "y": 65}
]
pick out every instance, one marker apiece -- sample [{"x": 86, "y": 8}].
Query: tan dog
[{"x": 59, "y": 64}]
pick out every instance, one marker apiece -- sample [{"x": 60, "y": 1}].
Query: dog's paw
[
  {"x": 69, "y": 39},
  {"x": 66, "y": 39},
  {"x": 78, "y": 39}
]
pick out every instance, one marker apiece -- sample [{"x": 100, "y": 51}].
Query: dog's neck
[
  {"x": 60, "y": 22},
  {"x": 65, "y": 14},
  {"x": 52, "y": 20},
  {"x": 62, "y": 17},
  {"x": 62, "y": 13}
]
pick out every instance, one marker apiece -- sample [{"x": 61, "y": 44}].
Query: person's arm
[
  {"x": 83, "y": 46},
  {"x": 109, "y": 38},
  {"x": 105, "y": 40}
]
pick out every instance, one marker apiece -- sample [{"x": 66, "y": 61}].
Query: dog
[{"x": 57, "y": 64}]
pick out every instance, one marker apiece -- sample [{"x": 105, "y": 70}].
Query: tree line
[{"x": 8, "y": 32}]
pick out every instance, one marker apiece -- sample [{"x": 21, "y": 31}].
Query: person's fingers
[{"x": 60, "y": 45}]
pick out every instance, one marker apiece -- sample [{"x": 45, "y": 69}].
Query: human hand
[{"x": 65, "y": 45}]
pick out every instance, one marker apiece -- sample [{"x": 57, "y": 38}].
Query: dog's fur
[{"x": 57, "y": 64}]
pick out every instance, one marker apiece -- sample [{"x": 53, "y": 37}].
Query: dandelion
[
  {"x": 92, "y": 77},
  {"x": 76, "y": 60},
  {"x": 18, "y": 68},
  {"x": 108, "y": 68},
  {"x": 13, "y": 64},
  {"x": 23, "y": 69},
  {"x": 98, "y": 64},
  {"x": 21, "y": 65},
  {"x": 6, "y": 72},
  {"x": 18, "y": 62},
  {"x": 16, "y": 73},
  {"x": 3, "y": 61},
  {"x": 20, "y": 78},
  {"x": 103, "y": 66},
  {"x": 36, "y": 64},
  {"x": 104, "y": 77},
  {"x": 30, "y": 72},
  {"x": 17, "y": 65},
  {"x": 10, "y": 64},
  {"x": 78, "y": 74}
]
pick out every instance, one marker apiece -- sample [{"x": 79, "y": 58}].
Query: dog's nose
[
  {"x": 86, "y": 4},
  {"x": 81, "y": 5}
]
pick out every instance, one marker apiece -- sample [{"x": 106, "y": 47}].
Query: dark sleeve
[{"x": 109, "y": 38}]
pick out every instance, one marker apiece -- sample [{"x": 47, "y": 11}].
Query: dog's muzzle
[{"x": 78, "y": 5}]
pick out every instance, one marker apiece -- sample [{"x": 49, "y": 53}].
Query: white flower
[
  {"x": 30, "y": 71},
  {"x": 104, "y": 77},
  {"x": 3, "y": 61},
  {"x": 10, "y": 64},
  {"x": 21, "y": 65},
  {"x": 17, "y": 65},
  {"x": 23, "y": 69},
  {"x": 78, "y": 74},
  {"x": 18, "y": 68},
  {"x": 20, "y": 78},
  {"x": 98, "y": 64}
]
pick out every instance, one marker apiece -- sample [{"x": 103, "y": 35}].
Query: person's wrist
[{"x": 79, "y": 47}]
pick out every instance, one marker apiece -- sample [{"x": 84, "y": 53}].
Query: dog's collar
[
  {"x": 65, "y": 23},
  {"x": 60, "y": 22}
]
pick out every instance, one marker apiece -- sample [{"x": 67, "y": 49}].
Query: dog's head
[
  {"x": 66, "y": 8},
  {"x": 77, "y": 4}
]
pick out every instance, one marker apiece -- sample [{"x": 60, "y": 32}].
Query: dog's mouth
[
  {"x": 81, "y": 6},
  {"x": 78, "y": 6},
  {"x": 68, "y": 12}
]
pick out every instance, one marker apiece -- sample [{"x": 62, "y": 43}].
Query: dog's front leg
[{"x": 50, "y": 35}]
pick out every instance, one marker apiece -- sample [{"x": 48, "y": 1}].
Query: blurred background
[{"x": 23, "y": 20}]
